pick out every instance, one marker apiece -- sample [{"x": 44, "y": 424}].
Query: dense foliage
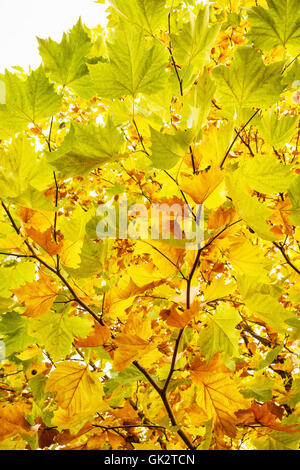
[{"x": 119, "y": 343}]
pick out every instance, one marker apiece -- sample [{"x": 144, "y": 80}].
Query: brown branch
[
  {"x": 192, "y": 158},
  {"x": 236, "y": 137},
  {"x": 146, "y": 421},
  {"x": 286, "y": 257},
  {"x": 245, "y": 143},
  {"x": 163, "y": 391},
  {"x": 53, "y": 270},
  {"x": 140, "y": 137},
  {"x": 171, "y": 52},
  {"x": 166, "y": 403},
  {"x": 124, "y": 426},
  {"x": 188, "y": 301}
]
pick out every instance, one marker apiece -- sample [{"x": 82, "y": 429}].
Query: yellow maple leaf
[
  {"x": 29, "y": 353},
  {"x": 132, "y": 342},
  {"x": 70, "y": 253},
  {"x": 217, "y": 394},
  {"x": 38, "y": 296},
  {"x": 218, "y": 289},
  {"x": 31, "y": 218},
  {"x": 246, "y": 258},
  {"x": 201, "y": 185},
  {"x": 120, "y": 297},
  {"x": 130, "y": 348},
  {"x": 78, "y": 392}
]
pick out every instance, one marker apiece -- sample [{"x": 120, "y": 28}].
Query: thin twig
[
  {"x": 286, "y": 257},
  {"x": 53, "y": 270},
  {"x": 236, "y": 137}
]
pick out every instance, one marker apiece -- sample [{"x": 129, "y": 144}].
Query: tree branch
[
  {"x": 286, "y": 257},
  {"x": 53, "y": 270},
  {"x": 236, "y": 137},
  {"x": 166, "y": 403}
]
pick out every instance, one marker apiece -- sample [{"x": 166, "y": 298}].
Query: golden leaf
[
  {"x": 99, "y": 336},
  {"x": 218, "y": 394},
  {"x": 130, "y": 348},
  {"x": 32, "y": 218},
  {"x": 265, "y": 415},
  {"x": 78, "y": 392},
  {"x": 200, "y": 186},
  {"x": 179, "y": 320},
  {"x": 45, "y": 240},
  {"x": 38, "y": 296},
  {"x": 12, "y": 419}
]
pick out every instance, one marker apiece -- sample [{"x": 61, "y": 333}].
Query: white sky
[{"x": 22, "y": 20}]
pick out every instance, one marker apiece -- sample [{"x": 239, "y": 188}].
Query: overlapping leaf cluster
[{"x": 142, "y": 344}]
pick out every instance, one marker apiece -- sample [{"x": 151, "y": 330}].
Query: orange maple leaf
[
  {"x": 38, "y": 296},
  {"x": 265, "y": 415},
  {"x": 98, "y": 337},
  {"x": 12, "y": 418}
]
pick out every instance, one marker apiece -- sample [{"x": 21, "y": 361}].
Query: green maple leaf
[
  {"x": 147, "y": 14},
  {"x": 56, "y": 331},
  {"x": 136, "y": 65},
  {"x": 167, "y": 149},
  {"x": 65, "y": 61},
  {"x": 269, "y": 358},
  {"x": 248, "y": 82},
  {"x": 24, "y": 176},
  {"x": 277, "y": 131},
  {"x": 279, "y": 25},
  {"x": 12, "y": 277},
  {"x": 265, "y": 174},
  {"x": 193, "y": 43},
  {"x": 259, "y": 387},
  {"x": 92, "y": 257},
  {"x": 220, "y": 334},
  {"x": 262, "y": 299},
  {"x": 198, "y": 103},
  {"x": 87, "y": 147},
  {"x": 277, "y": 440},
  {"x": 14, "y": 330},
  {"x": 27, "y": 101}
]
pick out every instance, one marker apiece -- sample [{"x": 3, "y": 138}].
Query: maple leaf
[
  {"x": 179, "y": 320},
  {"x": 133, "y": 342},
  {"x": 264, "y": 415},
  {"x": 217, "y": 394},
  {"x": 77, "y": 392},
  {"x": 45, "y": 240},
  {"x": 13, "y": 421},
  {"x": 200, "y": 186},
  {"x": 38, "y": 296},
  {"x": 98, "y": 337}
]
